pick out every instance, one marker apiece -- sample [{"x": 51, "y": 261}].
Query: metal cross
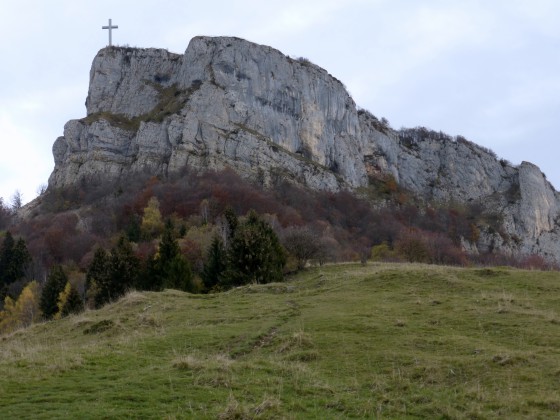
[{"x": 110, "y": 27}]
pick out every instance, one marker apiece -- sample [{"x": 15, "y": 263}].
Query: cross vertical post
[{"x": 110, "y": 27}]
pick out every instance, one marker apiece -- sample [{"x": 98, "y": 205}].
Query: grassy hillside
[{"x": 388, "y": 341}]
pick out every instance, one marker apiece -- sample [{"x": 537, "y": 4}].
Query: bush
[
  {"x": 412, "y": 248},
  {"x": 382, "y": 252}
]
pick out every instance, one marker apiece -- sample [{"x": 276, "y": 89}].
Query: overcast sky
[{"x": 487, "y": 70}]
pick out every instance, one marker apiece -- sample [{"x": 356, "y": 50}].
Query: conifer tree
[
  {"x": 215, "y": 264},
  {"x": 169, "y": 268},
  {"x": 255, "y": 254},
  {"x": 124, "y": 268},
  {"x": 14, "y": 259},
  {"x": 6, "y": 252},
  {"x": 110, "y": 276},
  {"x": 5, "y": 263},
  {"x": 231, "y": 220},
  {"x": 69, "y": 301},
  {"x": 98, "y": 278},
  {"x": 178, "y": 274},
  {"x": 168, "y": 246},
  {"x": 56, "y": 281},
  {"x": 133, "y": 229}
]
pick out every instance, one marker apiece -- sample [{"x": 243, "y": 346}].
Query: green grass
[{"x": 344, "y": 341}]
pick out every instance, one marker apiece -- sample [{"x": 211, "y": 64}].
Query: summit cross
[{"x": 110, "y": 27}]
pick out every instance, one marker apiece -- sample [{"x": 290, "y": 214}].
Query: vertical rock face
[
  {"x": 126, "y": 80},
  {"x": 439, "y": 168},
  {"x": 225, "y": 102},
  {"x": 229, "y": 102},
  {"x": 536, "y": 215}
]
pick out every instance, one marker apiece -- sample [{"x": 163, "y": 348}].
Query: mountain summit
[
  {"x": 228, "y": 102},
  {"x": 225, "y": 102}
]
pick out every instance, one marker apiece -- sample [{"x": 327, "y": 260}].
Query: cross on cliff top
[{"x": 110, "y": 27}]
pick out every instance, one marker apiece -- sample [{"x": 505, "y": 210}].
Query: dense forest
[{"x": 205, "y": 232}]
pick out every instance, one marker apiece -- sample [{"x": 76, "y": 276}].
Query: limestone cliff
[
  {"x": 229, "y": 102},
  {"x": 225, "y": 102},
  {"x": 442, "y": 169}
]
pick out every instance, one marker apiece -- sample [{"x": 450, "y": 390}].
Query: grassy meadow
[{"x": 340, "y": 341}]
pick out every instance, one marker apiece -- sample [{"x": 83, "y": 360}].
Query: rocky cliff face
[
  {"x": 225, "y": 102},
  {"x": 443, "y": 169},
  {"x": 229, "y": 102}
]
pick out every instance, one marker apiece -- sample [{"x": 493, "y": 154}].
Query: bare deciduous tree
[{"x": 302, "y": 243}]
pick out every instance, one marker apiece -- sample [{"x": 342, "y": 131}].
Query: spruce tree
[
  {"x": 178, "y": 274},
  {"x": 124, "y": 268},
  {"x": 168, "y": 246},
  {"x": 56, "y": 281},
  {"x": 110, "y": 276},
  {"x": 215, "y": 264},
  {"x": 255, "y": 254},
  {"x": 169, "y": 268},
  {"x": 14, "y": 259},
  {"x": 6, "y": 252},
  {"x": 133, "y": 229},
  {"x": 98, "y": 279},
  {"x": 71, "y": 302},
  {"x": 232, "y": 222}
]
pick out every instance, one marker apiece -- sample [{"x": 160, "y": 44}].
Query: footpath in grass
[{"x": 343, "y": 341}]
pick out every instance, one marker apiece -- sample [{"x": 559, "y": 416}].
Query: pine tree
[
  {"x": 169, "y": 268},
  {"x": 56, "y": 281},
  {"x": 255, "y": 254},
  {"x": 124, "y": 268},
  {"x": 168, "y": 246},
  {"x": 215, "y": 264},
  {"x": 133, "y": 229},
  {"x": 110, "y": 276},
  {"x": 98, "y": 278},
  {"x": 6, "y": 252},
  {"x": 14, "y": 259},
  {"x": 69, "y": 302},
  {"x": 5, "y": 263},
  {"x": 232, "y": 221},
  {"x": 178, "y": 274}
]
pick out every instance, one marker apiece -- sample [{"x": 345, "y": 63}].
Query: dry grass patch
[{"x": 218, "y": 362}]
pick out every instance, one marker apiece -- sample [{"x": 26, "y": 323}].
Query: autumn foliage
[{"x": 221, "y": 231}]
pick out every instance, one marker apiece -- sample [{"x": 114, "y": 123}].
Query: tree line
[
  {"x": 245, "y": 250},
  {"x": 196, "y": 232}
]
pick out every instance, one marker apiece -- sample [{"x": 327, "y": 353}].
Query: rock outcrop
[
  {"x": 229, "y": 102},
  {"x": 226, "y": 102}
]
